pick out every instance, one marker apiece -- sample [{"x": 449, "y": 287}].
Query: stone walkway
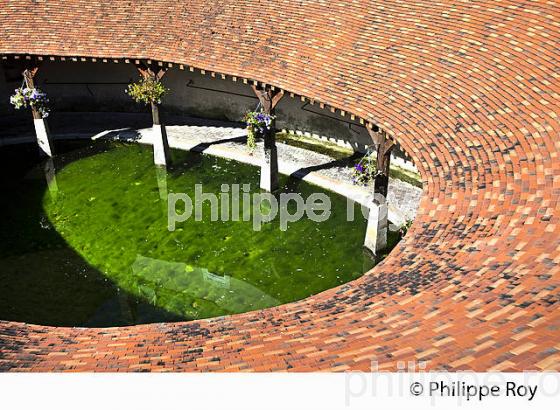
[{"x": 227, "y": 140}]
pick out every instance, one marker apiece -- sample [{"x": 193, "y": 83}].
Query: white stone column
[
  {"x": 160, "y": 144},
  {"x": 376, "y": 233},
  {"x": 43, "y": 136},
  {"x": 269, "y": 169}
]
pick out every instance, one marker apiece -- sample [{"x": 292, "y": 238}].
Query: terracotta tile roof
[{"x": 470, "y": 89}]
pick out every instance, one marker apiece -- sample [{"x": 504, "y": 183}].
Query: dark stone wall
[{"x": 88, "y": 86}]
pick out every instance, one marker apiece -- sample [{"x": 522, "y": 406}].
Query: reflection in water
[
  {"x": 50, "y": 176},
  {"x": 161, "y": 177},
  {"x": 183, "y": 283}
]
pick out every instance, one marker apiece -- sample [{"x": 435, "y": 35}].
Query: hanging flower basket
[
  {"x": 25, "y": 97},
  {"x": 147, "y": 91},
  {"x": 364, "y": 171},
  {"x": 257, "y": 123}
]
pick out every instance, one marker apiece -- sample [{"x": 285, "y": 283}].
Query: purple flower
[{"x": 359, "y": 167}]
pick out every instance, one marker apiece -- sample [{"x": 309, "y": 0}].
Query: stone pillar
[
  {"x": 268, "y": 99},
  {"x": 383, "y": 146},
  {"x": 269, "y": 167},
  {"x": 159, "y": 135},
  {"x": 160, "y": 145},
  {"x": 377, "y": 225},
  {"x": 42, "y": 132}
]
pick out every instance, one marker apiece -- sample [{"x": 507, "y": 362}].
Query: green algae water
[{"x": 85, "y": 241}]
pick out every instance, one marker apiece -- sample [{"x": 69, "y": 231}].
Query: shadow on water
[{"x": 42, "y": 279}]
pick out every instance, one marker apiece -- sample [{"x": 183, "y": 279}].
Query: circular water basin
[{"x": 86, "y": 240}]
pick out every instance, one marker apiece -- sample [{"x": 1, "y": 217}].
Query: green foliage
[
  {"x": 251, "y": 143},
  {"x": 257, "y": 123},
  {"x": 364, "y": 171},
  {"x": 147, "y": 91},
  {"x": 25, "y": 97}
]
